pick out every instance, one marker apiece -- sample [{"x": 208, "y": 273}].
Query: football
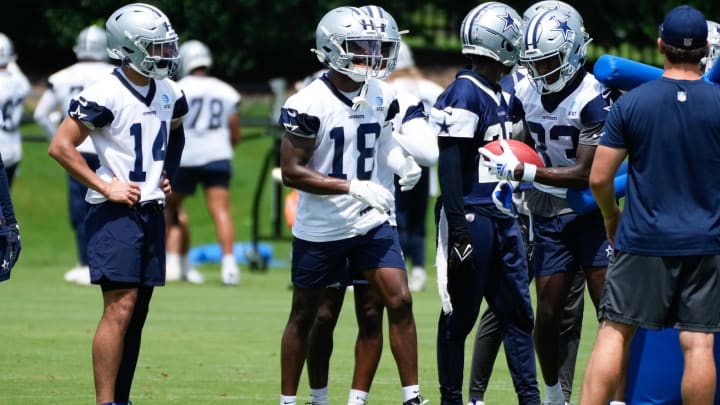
[{"x": 524, "y": 152}]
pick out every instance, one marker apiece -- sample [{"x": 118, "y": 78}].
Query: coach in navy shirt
[{"x": 666, "y": 270}]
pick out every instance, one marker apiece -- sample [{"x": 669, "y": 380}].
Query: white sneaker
[
  {"x": 230, "y": 272},
  {"x": 193, "y": 276},
  {"x": 417, "y": 279},
  {"x": 188, "y": 272},
  {"x": 173, "y": 270}
]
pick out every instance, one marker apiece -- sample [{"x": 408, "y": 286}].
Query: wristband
[{"x": 529, "y": 171}]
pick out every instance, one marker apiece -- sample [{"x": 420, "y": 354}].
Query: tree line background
[{"x": 253, "y": 41}]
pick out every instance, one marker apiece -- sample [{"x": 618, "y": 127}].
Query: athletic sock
[
  {"x": 554, "y": 393},
  {"x": 357, "y": 397},
  {"x": 410, "y": 392},
  {"x": 319, "y": 396},
  {"x": 288, "y": 399}
]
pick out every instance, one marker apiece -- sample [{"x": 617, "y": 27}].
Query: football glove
[
  {"x": 502, "y": 166},
  {"x": 372, "y": 194},
  {"x": 502, "y": 196},
  {"x": 410, "y": 174},
  {"x": 460, "y": 255},
  {"x": 9, "y": 248}
]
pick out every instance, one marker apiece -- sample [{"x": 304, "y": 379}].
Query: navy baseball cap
[{"x": 684, "y": 27}]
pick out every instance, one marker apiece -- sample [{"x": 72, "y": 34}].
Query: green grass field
[{"x": 203, "y": 344}]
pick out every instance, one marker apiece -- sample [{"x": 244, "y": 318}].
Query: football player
[
  {"x": 336, "y": 129},
  {"x": 480, "y": 250},
  {"x": 414, "y": 135},
  {"x": 407, "y": 80},
  {"x": 212, "y": 130},
  {"x": 14, "y": 88},
  {"x": 91, "y": 52},
  {"x": 562, "y": 107},
  {"x": 9, "y": 230},
  {"x": 134, "y": 118}
]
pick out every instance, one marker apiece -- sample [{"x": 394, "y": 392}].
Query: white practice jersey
[
  {"x": 557, "y": 124},
  {"x": 130, "y": 130},
  {"x": 62, "y": 87},
  {"x": 207, "y": 133},
  {"x": 345, "y": 147},
  {"x": 14, "y": 88}
]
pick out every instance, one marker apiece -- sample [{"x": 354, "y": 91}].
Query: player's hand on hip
[
  {"x": 372, "y": 194},
  {"x": 503, "y": 165},
  {"x": 502, "y": 197},
  {"x": 410, "y": 174},
  {"x": 124, "y": 193},
  {"x": 165, "y": 184}
]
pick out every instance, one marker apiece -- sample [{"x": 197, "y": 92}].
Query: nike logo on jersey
[
  {"x": 292, "y": 113},
  {"x": 82, "y": 101},
  {"x": 448, "y": 111}
]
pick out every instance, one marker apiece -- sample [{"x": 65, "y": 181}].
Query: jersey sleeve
[
  {"x": 452, "y": 115},
  {"x": 90, "y": 110},
  {"x": 612, "y": 132},
  {"x": 181, "y": 106}
]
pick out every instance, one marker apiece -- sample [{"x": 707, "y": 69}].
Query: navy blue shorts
[
  {"x": 126, "y": 245},
  {"x": 321, "y": 264},
  {"x": 213, "y": 174},
  {"x": 568, "y": 242}
]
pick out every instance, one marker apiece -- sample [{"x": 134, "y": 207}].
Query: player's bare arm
[
  {"x": 575, "y": 176},
  {"x": 63, "y": 149},
  {"x": 235, "y": 132},
  {"x": 295, "y": 153}
]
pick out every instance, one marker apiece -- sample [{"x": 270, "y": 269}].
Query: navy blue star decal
[
  {"x": 563, "y": 27},
  {"x": 509, "y": 21},
  {"x": 445, "y": 127}
]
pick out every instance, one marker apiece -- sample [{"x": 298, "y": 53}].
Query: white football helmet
[
  {"x": 91, "y": 44},
  {"x": 553, "y": 48},
  {"x": 492, "y": 29},
  {"x": 405, "y": 57},
  {"x": 347, "y": 41},
  {"x": 7, "y": 50},
  {"x": 713, "y": 39},
  {"x": 385, "y": 23},
  {"x": 193, "y": 54},
  {"x": 141, "y": 35}
]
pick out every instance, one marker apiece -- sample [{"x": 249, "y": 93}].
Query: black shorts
[{"x": 652, "y": 292}]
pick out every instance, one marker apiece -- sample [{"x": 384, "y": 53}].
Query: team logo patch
[{"x": 681, "y": 96}]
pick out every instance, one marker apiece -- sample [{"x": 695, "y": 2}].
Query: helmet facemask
[
  {"x": 159, "y": 59},
  {"x": 550, "y": 73},
  {"x": 389, "y": 50},
  {"x": 359, "y": 59}
]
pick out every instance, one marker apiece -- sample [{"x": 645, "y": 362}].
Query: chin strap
[{"x": 359, "y": 100}]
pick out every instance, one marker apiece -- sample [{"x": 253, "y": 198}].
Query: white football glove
[
  {"x": 409, "y": 174},
  {"x": 372, "y": 194},
  {"x": 502, "y": 196},
  {"x": 502, "y": 166}
]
